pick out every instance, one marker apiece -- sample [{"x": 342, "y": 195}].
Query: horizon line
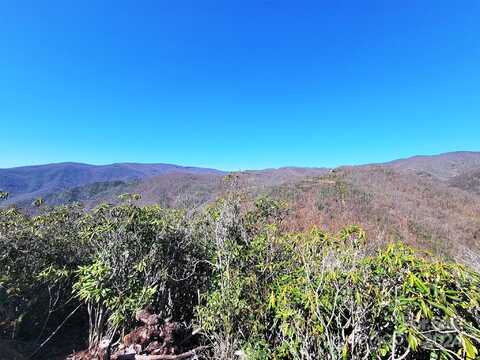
[{"x": 239, "y": 170}]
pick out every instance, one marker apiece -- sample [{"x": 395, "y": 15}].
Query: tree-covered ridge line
[{"x": 235, "y": 276}]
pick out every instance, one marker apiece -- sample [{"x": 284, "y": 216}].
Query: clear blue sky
[{"x": 237, "y": 84}]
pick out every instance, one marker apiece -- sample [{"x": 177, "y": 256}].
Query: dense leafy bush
[
  {"x": 140, "y": 256},
  {"x": 109, "y": 262},
  {"x": 37, "y": 255},
  {"x": 317, "y": 295},
  {"x": 254, "y": 289}
]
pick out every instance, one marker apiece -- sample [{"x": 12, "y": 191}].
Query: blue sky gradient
[{"x": 237, "y": 84}]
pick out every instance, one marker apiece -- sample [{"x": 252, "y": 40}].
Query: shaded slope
[
  {"x": 469, "y": 181},
  {"x": 25, "y": 183}
]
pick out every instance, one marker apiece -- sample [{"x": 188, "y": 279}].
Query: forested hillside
[{"x": 29, "y": 182}]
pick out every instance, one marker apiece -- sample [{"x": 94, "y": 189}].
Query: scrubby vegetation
[
  {"x": 233, "y": 273},
  {"x": 391, "y": 206}
]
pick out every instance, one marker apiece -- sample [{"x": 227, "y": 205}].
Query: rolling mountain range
[
  {"x": 69, "y": 182},
  {"x": 29, "y": 182},
  {"x": 432, "y": 202}
]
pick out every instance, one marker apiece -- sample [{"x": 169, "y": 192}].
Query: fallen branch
[{"x": 181, "y": 356}]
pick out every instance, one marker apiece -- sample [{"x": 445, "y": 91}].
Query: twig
[
  {"x": 56, "y": 330},
  {"x": 181, "y": 356}
]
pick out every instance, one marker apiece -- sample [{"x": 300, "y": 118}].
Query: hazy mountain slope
[
  {"x": 443, "y": 166},
  {"x": 180, "y": 190},
  {"x": 89, "y": 195},
  {"x": 174, "y": 189},
  {"x": 468, "y": 181},
  {"x": 271, "y": 177},
  {"x": 25, "y": 183},
  {"x": 169, "y": 190}
]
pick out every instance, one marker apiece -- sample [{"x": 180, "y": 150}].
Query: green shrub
[
  {"x": 140, "y": 256},
  {"x": 316, "y": 295},
  {"x": 37, "y": 254}
]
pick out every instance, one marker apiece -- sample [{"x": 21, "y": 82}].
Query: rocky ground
[{"x": 154, "y": 339}]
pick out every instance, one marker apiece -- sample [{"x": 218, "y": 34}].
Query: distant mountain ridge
[
  {"x": 443, "y": 166},
  {"x": 165, "y": 183},
  {"x": 27, "y": 182}
]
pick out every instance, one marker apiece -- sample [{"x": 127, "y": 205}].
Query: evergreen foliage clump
[
  {"x": 315, "y": 295},
  {"x": 231, "y": 270}
]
